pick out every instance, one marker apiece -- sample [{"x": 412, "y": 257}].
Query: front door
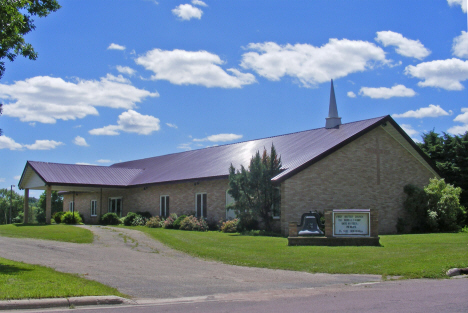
[{"x": 115, "y": 206}]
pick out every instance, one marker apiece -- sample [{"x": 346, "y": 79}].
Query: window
[
  {"x": 93, "y": 207},
  {"x": 164, "y": 206},
  {"x": 71, "y": 206},
  {"x": 230, "y": 214},
  {"x": 200, "y": 205},
  {"x": 115, "y": 206}
]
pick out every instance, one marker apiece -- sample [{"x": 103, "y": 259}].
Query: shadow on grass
[
  {"x": 38, "y": 225},
  {"x": 12, "y": 269}
]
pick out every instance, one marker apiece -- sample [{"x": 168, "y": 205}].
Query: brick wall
[
  {"x": 347, "y": 179},
  {"x": 181, "y": 199}
]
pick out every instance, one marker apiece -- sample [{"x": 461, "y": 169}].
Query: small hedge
[
  {"x": 58, "y": 217},
  {"x": 193, "y": 223},
  {"x": 110, "y": 219},
  {"x": 71, "y": 218},
  {"x": 230, "y": 226}
]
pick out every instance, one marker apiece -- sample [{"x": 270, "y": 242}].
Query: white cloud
[
  {"x": 220, "y": 138},
  {"x": 387, "y": 93},
  {"x": 8, "y": 143},
  {"x": 312, "y": 65},
  {"x": 172, "y": 125},
  {"x": 46, "y": 99},
  {"x": 125, "y": 70},
  {"x": 430, "y": 111},
  {"x": 2, "y": 180},
  {"x": 130, "y": 122},
  {"x": 185, "y": 146},
  {"x": 458, "y": 129},
  {"x": 44, "y": 145},
  {"x": 114, "y": 46},
  {"x": 409, "y": 130},
  {"x": 80, "y": 141},
  {"x": 187, "y": 12},
  {"x": 351, "y": 94},
  {"x": 460, "y": 45},
  {"x": 446, "y": 74},
  {"x": 461, "y": 3},
  {"x": 84, "y": 163},
  {"x": 17, "y": 177},
  {"x": 202, "y": 68},
  {"x": 404, "y": 46},
  {"x": 199, "y": 3},
  {"x": 104, "y": 161},
  {"x": 463, "y": 118}
]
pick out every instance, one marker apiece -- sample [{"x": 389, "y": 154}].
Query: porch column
[
  {"x": 48, "y": 204},
  {"x": 26, "y": 206}
]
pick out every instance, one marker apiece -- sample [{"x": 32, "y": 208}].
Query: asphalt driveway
[{"x": 142, "y": 267}]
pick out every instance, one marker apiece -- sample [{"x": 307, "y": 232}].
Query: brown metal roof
[{"x": 297, "y": 150}]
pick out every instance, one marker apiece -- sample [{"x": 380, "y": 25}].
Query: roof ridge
[{"x": 240, "y": 142}]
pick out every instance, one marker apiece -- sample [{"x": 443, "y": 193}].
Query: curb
[{"x": 61, "y": 302}]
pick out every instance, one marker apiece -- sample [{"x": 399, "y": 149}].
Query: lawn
[
  {"x": 24, "y": 281},
  {"x": 410, "y": 256},
  {"x": 60, "y": 232}
]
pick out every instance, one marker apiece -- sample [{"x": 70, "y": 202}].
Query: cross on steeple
[
  {"x": 332, "y": 121},
  {"x": 377, "y": 152}
]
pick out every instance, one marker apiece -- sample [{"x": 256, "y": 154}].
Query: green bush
[
  {"x": 246, "y": 223},
  {"x": 434, "y": 208},
  {"x": 128, "y": 220},
  {"x": 145, "y": 214},
  {"x": 71, "y": 218},
  {"x": 193, "y": 223},
  {"x": 58, "y": 217},
  {"x": 109, "y": 219},
  {"x": 176, "y": 224},
  {"x": 169, "y": 222},
  {"x": 154, "y": 222},
  {"x": 230, "y": 226},
  {"x": 139, "y": 221}
]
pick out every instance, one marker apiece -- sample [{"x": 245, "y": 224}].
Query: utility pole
[{"x": 11, "y": 198}]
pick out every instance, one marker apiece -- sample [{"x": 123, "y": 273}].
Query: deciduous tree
[{"x": 16, "y": 20}]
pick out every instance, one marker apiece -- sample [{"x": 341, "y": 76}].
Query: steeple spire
[{"x": 332, "y": 121}]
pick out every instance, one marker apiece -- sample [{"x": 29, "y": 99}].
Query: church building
[{"x": 358, "y": 165}]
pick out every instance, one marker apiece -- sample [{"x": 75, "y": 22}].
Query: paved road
[
  {"x": 416, "y": 296},
  {"x": 143, "y": 268}
]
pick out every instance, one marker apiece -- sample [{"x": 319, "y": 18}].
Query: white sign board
[{"x": 351, "y": 223}]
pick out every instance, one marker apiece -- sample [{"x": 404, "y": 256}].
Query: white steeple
[{"x": 332, "y": 121}]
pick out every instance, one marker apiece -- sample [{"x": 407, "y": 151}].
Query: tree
[
  {"x": 56, "y": 206},
  {"x": 450, "y": 155},
  {"x": 16, "y": 205},
  {"x": 253, "y": 191},
  {"x": 15, "y": 22}
]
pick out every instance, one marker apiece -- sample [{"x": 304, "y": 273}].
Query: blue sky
[{"x": 124, "y": 80}]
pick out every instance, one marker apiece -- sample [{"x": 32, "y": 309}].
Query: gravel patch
[{"x": 142, "y": 267}]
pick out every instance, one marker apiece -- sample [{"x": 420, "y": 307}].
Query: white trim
[
  {"x": 121, "y": 205},
  {"x": 165, "y": 205},
  {"x": 201, "y": 210},
  {"x": 95, "y": 208}
]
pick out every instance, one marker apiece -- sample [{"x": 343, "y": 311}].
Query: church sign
[{"x": 351, "y": 223}]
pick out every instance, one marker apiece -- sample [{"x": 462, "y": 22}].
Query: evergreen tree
[
  {"x": 450, "y": 155},
  {"x": 253, "y": 191}
]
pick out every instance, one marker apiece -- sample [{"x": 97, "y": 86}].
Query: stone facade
[
  {"x": 352, "y": 178},
  {"x": 139, "y": 199}
]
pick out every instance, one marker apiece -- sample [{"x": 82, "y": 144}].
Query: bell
[{"x": 310, "y": 225}]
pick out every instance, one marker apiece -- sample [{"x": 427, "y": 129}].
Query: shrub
[
  {"x": 154, "y": 222},
  {"x": 230, "y": 226},
  {"x": 128, "y": 220},
  {"x": 110, "y": 219},
  {"x": 145, "y": 214},
  {"x": 139, "y": 221},
  {"x": 214, "y": 224},
  {"x": 193, "y": 223},
  {"x": 176, "y": 224},
  {"x": 168, "y": 223},
  {"x": 58, "y": 217},
  {"x": 71, "y": 218},
  {"x": 246, "y": 223}
]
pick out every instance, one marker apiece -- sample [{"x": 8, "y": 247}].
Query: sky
[{"x": 124, "y": 80}]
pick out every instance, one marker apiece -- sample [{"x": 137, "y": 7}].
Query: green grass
[
  {"x": 410, "y": 256},
  {"x": 24, "y": 281},
  {"x": 60, "y": 232}
]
